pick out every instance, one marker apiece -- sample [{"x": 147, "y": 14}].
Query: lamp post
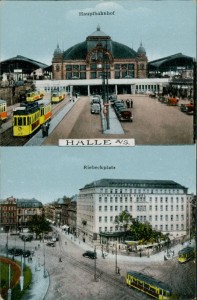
[
  {"x": 116, "y": 260},
  {"x": 105, "y": 90},
  {"x": 9, "y": 290},
  {"x": 95, "y": 264},
  {"x": 7, "y": 245},
  {"x": 44, "y": 275}
]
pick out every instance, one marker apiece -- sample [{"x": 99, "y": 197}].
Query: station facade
[{"x": 166, "y": 205}]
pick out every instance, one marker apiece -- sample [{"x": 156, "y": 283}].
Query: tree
[
  {"x": 124, "y": 219},
  {"x": 38, "y": 225}
]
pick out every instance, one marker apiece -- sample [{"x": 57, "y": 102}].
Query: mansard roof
[
  {"x": 135, "y": 183},
  {"x": 29, "y": 203}
]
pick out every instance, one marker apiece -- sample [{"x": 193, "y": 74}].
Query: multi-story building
[
  {"x": 62, "y": 212},
  {"x": 162, "y": 203},
  {"x": 26, "y": 208},
  {"x": 8, "y": 214}
]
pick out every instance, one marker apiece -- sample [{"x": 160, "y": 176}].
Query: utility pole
[
  {"x": 44, "y": 263},
  {"x": 95, "y": 264},
  {"x": 116, "y": 260},
  {"x": 9, "y": 290}
]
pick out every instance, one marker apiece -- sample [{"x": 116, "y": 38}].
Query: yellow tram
[
  {"x": 3, "y": 110},
  {"x": 29, "y": 117},
  {"x": 148, "y": 285},
  {"x": 45, "y": 110},
  {"x": 57, "y": 96},
  {"x": 34, "y": 96},
  {"x": 186, "y": 254}
]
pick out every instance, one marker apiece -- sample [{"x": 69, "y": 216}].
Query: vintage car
[{"x": 187, "y": 108}]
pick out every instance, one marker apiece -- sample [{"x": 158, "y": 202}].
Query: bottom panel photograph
[{"x": 98, "y": 223}]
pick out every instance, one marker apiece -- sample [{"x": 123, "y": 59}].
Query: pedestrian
[
  {"x": 127, "y": 102},
  {"x": 60, "y": 260},
  {"x": 47, "y": 128},
  {"x": 44, "y": 129},
  {"x": 131, "y": 103}
]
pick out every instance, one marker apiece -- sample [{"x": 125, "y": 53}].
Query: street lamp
[
  {"x": 105, "y": 91},
  {"x": 44, "y": 264},
  {"x": 95, "y": 263},
  {"x": 9, "y": 289}
]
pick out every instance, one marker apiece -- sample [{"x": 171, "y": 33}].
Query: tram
[
  {"x": 148, "y": 285},
  {"x": 29, "y": 117},
  {"x": 186, "y": 254},
  {"x": 3, "y": 110},
  {"x": 57, "y": 96},
  {"x": 45, "y": 110},
  {"x": 34, "y": 96}
]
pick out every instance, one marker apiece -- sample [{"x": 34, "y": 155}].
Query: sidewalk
[
  {"x": 37, "y": 139},
  {"x": 40, "y": 281},
  {"x": 114, "y": 123},
  {"x": 157, "y": 257}
]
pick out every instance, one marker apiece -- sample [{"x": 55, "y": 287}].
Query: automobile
[
  {"x": 90, "y": 254},
  {"x": 118, "y": 105},
  {"x": 95, "y": 108},
  {"x": 112, "y": 98},
  {"x": 15, "y": 251},
  {"x": 27, "y": 238},
  {"x": 187, "y": 108},
  {"x": 26, "y": 253},
  {"x": 124, "y": 114},
  {"x": 96, "y": 99},
  {"x": 51, "y": 244}
]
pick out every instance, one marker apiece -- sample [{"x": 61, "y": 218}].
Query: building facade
[
  {"x": 98, "y": 54},
  {"x": 8, "y": 214},
  {"x": 26, "y": 208},
  {"x": 162, "y": 203}
]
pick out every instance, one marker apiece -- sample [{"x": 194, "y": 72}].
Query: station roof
[
  {"x": 20, "y": 62},
  {"x": 178, "y": 59},
  {"x": 80, "y": 50},
  {"x": 135, "y": 183}
]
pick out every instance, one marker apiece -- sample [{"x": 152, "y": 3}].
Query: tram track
[
  {"x": 7, "y": 138},
  {"x": 98, "y": 273}
]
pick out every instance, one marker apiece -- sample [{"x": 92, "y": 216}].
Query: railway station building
[{"x": 165, "y": 204}]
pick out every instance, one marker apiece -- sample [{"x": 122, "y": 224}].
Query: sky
[
  {"x": 49, "y": 173},
  {"x": 33, "y": 28}
]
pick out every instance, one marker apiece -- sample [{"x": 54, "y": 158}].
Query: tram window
[
  {"x": 20, "y": 121},
  {"x": 24, "y": 121},
  {"x": 15, "y": 121}
]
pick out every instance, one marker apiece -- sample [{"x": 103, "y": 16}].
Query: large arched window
[{"x": 99, "y": 60}]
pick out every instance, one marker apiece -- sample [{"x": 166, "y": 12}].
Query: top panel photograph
[{"x": 97, "y": 70}]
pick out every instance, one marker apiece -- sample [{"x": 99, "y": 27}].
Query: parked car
[
  {"x": 26, "y": 253},
  {"x": 90, "y": 254},
  {"x": 95, "y": 108},
  {"x": 96, "y": 99},
  {"x": 27, "y": 238},
  {"x": 187, "y": 108},
  {"x": 51, "y": 244},
  {"x": 15, "y": 251},
  {"x": 124, "y": 114}
]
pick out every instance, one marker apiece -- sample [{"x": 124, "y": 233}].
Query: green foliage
[
  {"x": 138, "y": 231},
  {"x": 17, "y": 294},
  {"x": 38, "y": 225}
]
